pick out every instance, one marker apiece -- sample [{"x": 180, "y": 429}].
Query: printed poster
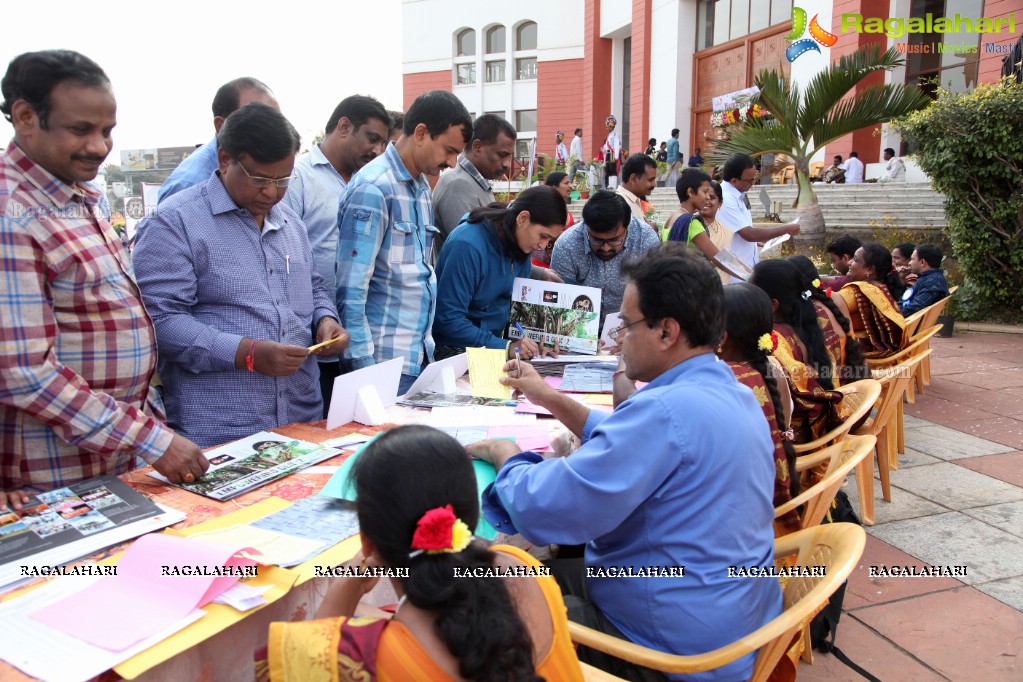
[{"x": 550, "y": 312}]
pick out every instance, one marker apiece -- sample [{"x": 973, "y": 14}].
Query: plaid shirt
[
  {"x": 386, "y": 286},
  {"x": 77, "y": 349}
]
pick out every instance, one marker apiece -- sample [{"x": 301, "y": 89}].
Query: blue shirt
[
  {"x": 195, "y": 169},
  {"x": 681, "y": 474},
  {"x": 315, "y": 194},
  {"x": 673, "y": 150},
  {"x": 209, "y": 277},
  {"x": 929, "y": 288},
  {"x": 574, "y": 260},
  {"x": 386, "y": 286},
  {"x": 474, "y": 287}
]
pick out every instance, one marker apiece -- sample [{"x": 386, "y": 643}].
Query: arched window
[
  {"x": 465, "y": 43},
  {"x": 525, "y": 36},
  {"x": 495, "y": 40}
]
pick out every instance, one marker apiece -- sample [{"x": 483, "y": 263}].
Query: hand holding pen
[{"x": 525, "y": 348}]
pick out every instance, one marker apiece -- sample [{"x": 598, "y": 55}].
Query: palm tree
[{"x": 802, "y": 123}]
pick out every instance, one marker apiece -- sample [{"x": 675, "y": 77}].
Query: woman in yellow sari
[
  {"x": 870, "y": 304},
  {"x": 416, "y": 502},
  {"x": 810, "y": 368}
]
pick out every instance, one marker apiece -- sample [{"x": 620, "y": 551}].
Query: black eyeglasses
[
  {"x": 616, "y": 333},
  {"x": 613, "y": 243}
]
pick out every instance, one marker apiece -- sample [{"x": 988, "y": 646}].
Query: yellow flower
[
  {"x": 461, "y": 536},
  {"x": 816, "y": 284},
  {"x": 765, "y": 343}
]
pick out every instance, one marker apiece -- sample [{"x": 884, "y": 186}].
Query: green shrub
[{"x": 971, "y": 147}]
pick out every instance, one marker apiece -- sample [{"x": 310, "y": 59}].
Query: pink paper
[
  {"x": 140, "y": 601},
  {"x": 536, "y": 438},
  {"x": 527, "y": 407},
  {"x": 553, "y": 382}
]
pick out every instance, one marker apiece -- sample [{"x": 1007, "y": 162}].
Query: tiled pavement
[{"x": 957, "y": 499}]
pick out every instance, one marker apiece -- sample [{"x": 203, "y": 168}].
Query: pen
[
  {"x": 521, "y": 330},
  {"x": 287, "y": 264},
  {"x": 518, "y": 366}
]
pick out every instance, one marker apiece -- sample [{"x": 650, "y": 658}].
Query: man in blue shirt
[
  {"x": 227, "y": 274},
  {"x": 680, "y": 474},
  {"x": 674, "y": 157},
  {"x": 695, "y": 160},
  {"x": 931, "y": 285},
  {"x": 200, "y": 164},
  {"x": 356, "y": 133},
  {"x": 386, "y": 285}
]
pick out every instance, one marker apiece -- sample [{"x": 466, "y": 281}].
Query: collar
[
  {"x": 694, "y": 363},
  {"x": 59, "y": 192},
  {"x": 318, "y": 158},
  {"x": 729, "y": 188},
  {"x": 469, "y": 168},
  {"x": 928, "y": 273},
  {"x": 627, "y": 195},
  {"x": 221, "y": 202}
]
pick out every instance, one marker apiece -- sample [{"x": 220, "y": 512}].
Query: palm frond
[
  {"x": 755, "y": 139},
  {"x": 868, "y": 107},
  {"x": 782, "y": 103},
  {"x": 830, "y": 86}
]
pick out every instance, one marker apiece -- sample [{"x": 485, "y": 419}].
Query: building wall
[
  {"x": 415, "y": 84},
  {"x": 639, "y": 95},
  {"x": 559, "y": 94},
  {"x": 991, "y": 63},
  {"x": 596, "y": 98}
]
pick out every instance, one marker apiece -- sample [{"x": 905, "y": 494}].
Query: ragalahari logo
[{"x": 818, "y": 36}]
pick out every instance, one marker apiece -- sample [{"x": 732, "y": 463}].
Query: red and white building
[{"x": 549, "y": 65}]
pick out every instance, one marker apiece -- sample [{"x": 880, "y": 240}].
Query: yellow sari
[{"x": 877, "y": 322}]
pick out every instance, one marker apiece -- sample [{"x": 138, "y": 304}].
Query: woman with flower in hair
[
  {"x": 869, "y": 301},
  {"x": 416, "y": 499},
  {"x": 810, "y": 369},
  {"x": 747, "y": 346}
]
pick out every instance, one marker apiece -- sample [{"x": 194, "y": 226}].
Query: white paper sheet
[{"x": 478, "y": 416}]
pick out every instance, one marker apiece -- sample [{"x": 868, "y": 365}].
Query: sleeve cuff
[
  {"x": 153, "y": 450},
  {"x": 225, "y": 348},
  {"x": 492, "y": 507},
  {"x": 593, "y": 420}
]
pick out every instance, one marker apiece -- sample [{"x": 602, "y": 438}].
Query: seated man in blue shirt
[
  {"x": 200, "y": 164},
  {"x": 228, "y": 276},
  {"x": 680, "y": 474},
  {"x": 931, "y": 285}
]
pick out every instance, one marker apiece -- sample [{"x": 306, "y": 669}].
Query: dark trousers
[
  {"x": 328, "y": 372},
  {"x": 570, "y": 575}
]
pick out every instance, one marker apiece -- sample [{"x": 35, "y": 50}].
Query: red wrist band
[{"x": 250, "y": 358}]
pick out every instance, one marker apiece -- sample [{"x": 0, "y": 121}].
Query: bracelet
[{"x": 250, "y": 358}]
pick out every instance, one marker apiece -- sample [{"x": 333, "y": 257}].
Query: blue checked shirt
[
  {"x": 194, "y": 170},
  {"x": 386, "y": 286},
  {"x": 209, "y": 278}
]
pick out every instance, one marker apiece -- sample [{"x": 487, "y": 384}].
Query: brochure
[
  {"x": 427, "y": 399},
  {"x": 550, "y": 312},
  {"x": 249, "y": 463}
]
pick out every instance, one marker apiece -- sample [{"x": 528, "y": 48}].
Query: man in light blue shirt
[
  {"x": 679, "y": 475},
  {"x": 674, "y": 158},
  {"x": 357, "y": 133},
  {"x": 386, "y": 285},
  {"x": 200, "y": 164},
  {"x": 227, "y": 274}
]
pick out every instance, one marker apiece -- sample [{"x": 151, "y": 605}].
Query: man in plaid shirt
[{"x": 77, "y": 349}]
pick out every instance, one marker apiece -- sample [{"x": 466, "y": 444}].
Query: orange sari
[
  {"x": 373, "y": 649},
  {"x": 815, "y": 410},
  {"x": 877, "y": 322}
]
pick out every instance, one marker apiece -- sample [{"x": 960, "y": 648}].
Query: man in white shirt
[
  {"x": 575, "y": 154},
  {"x": 853, "y": 169},
  {"x": 612, "y": 152},
  {"x": 894, "y": 169},
  {"x": 740, "y": 174},
  {"x": 561, "y": 152},
  {"x": 639, "y": 177}
]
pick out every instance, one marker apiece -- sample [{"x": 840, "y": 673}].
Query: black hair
[
  {"x": 555, "y": 178},
  {"x": 854, "y": 155},
  {"x": 398, "y": 478},
  {"x": 890, "y": 150},
  {"x": 260, "y": 131},
  {"x": 748, "y": 316},
  {"x": 855, "y": 366},
  {"x": 689, "y": 179},
  {"x": 225, "y": 102},
  {"x": 876, "y": 256},
  {"x": 839, "y": 157},
  {"x": 931, "y": 254},
  {"x": 672, "y": 282},
  {"x": 487, "y": 127},
  {"x": 545, "y": 204},
  {"x": 674, "y": 132},
  {"x": 358, "y": 109},
  {"x": 782, "y": 282},
  {"x": 736, "y": 165},
  {"x": 577, "y": 131},
  {"x": 652, "y": 141},
  {"x": 716, "y": 187},
  {"x": 604, "y": 211},
  {"x": 905, "y": 250},
  {"x": 397, "y": 119},
  {"x": 637, "y": 164},
  {"x": 32, "y": 76},
  {"x": 845, "y": 245},
  {"x": 438, "y": 110}
]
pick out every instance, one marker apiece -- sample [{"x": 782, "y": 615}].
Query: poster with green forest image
[{"x": 551, "y": 312}]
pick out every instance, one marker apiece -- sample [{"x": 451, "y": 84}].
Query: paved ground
[{"x": 957, "y": 499}]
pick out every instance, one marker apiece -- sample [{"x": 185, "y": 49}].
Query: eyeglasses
[
  {"x": 613, "y": 243},
  {"x": 616, "y": 333},
  {"x": 259, "y": 181}
]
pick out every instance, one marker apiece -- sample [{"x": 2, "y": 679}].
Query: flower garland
[
  {"x": 739, "y": 114},
  {"x": 440, "y": 531},
  {"x": 768, "y": 342}
]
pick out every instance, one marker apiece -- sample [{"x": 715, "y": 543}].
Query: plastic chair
[
  {"x": 837, "y": 547},
  {"x": 859, "y": 398},
  {"x": 894, "y": 381},
  {"x": 913, "y": 323},
  {"x": 841, "y": 457},
  {"x": 931, "y": 314}
]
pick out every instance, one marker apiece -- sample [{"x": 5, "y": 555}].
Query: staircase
[{"x": 858, "y": 209}]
